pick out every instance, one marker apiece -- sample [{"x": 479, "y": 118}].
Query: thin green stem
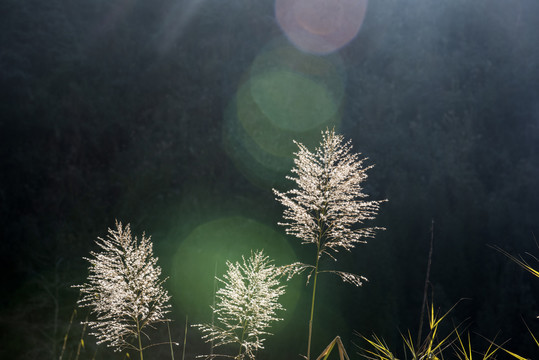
[
  {"x": 244, "y": 328},
  {"x": 67, "y": 332},
  {"x": 170, "y": 342},
  {"x": 321, "y": 232},
  {"x": 139, "y": 340},
  {"x": 312, "y": 308},
  {"x": 185, "y": 338},
  {"x": 81, "y": 342}
]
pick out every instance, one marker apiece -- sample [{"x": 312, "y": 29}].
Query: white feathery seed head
[
  {"x": 247, "y": 305},
  {"x": 124, "y": 289},
  {"x": 328, "y": 207}
]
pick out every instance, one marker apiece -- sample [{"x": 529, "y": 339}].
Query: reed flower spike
[
  {"x": 247, "y": 305},
  {"x": 328, "y": 207},
  {"x": 124, "y": 290}
]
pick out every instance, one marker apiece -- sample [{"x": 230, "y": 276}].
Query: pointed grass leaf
[{"x": 381, "y": 350}]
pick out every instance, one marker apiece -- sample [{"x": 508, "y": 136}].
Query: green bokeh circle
[
  {"x": 292, "y": 101},
  {"x": 204, "y": 252}
]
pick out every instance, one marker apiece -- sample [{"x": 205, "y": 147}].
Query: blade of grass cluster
[
  {"x": 382, "y": 351},
  {"x": 534, "y": 338},
  {"x": 462, "y": 349},
  {"x": 442, "y": 345},
  {"x": 409, "y": 344},
  {"x": 436, "y": 323},
  {"x": 489, "y": 353},
  {"x": 520, "y": 262},
  {"x": 516, "y": 356},
  {"x": 433, "y": 324}
]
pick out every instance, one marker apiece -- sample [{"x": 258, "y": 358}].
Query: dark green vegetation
[{"x": 117, "y": 109}]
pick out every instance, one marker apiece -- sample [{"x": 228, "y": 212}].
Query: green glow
[
  {"x": 205, "y": 251},
  {"x": 270, "y": 138},
  {"x": 296, "y": 92},
  {"x": 287, "y": 95},
  {"x": 292, "y": 101},
  {"x": 327, "y": 70},
  {"x": 260, "y": 167}
]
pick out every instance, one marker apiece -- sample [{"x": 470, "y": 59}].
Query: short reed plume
[
  {"x": 124, "y": 290},
  {"x": 247, "y": 305},
  {"x": 327, "y": 205}
]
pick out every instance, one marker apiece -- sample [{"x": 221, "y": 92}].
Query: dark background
[{"x": 117, "y": 109}]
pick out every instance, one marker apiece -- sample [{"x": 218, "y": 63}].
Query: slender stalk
[
  {"x": 81, "y": 342},
  {"x": 184, "y": 337},
  {"x": 170, "y": 342},
  {"x": 139, "y": 340},
  {"x": 312, "y": 308},
  {"x": 67, "y": 332},
  {"x": 239, "y": 353},
  {"x": 244, "y": 327},
  {"x": 318, "y": 255}
]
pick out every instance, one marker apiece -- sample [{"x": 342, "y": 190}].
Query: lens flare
[
  {"x": 292, "y": 101},
  {"x": 325, "y": 71},
  {"x": 260, "y": 167},
  {"x": 320, "y": 26},
  {"x": 204, "y": 252},
  {"x": 286, "y": 95}
]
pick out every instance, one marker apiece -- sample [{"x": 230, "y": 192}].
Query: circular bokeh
[
  {"x": 292, "y": 101},
  {"x": 202, "y": 255},
  {"x": 259, "y": 166},
  {"x": 320, "y": 26},
  {"x": 286, "y": 96}
]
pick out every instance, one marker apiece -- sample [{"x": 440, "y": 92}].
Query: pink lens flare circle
[{"x": 320, "y": 26}]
